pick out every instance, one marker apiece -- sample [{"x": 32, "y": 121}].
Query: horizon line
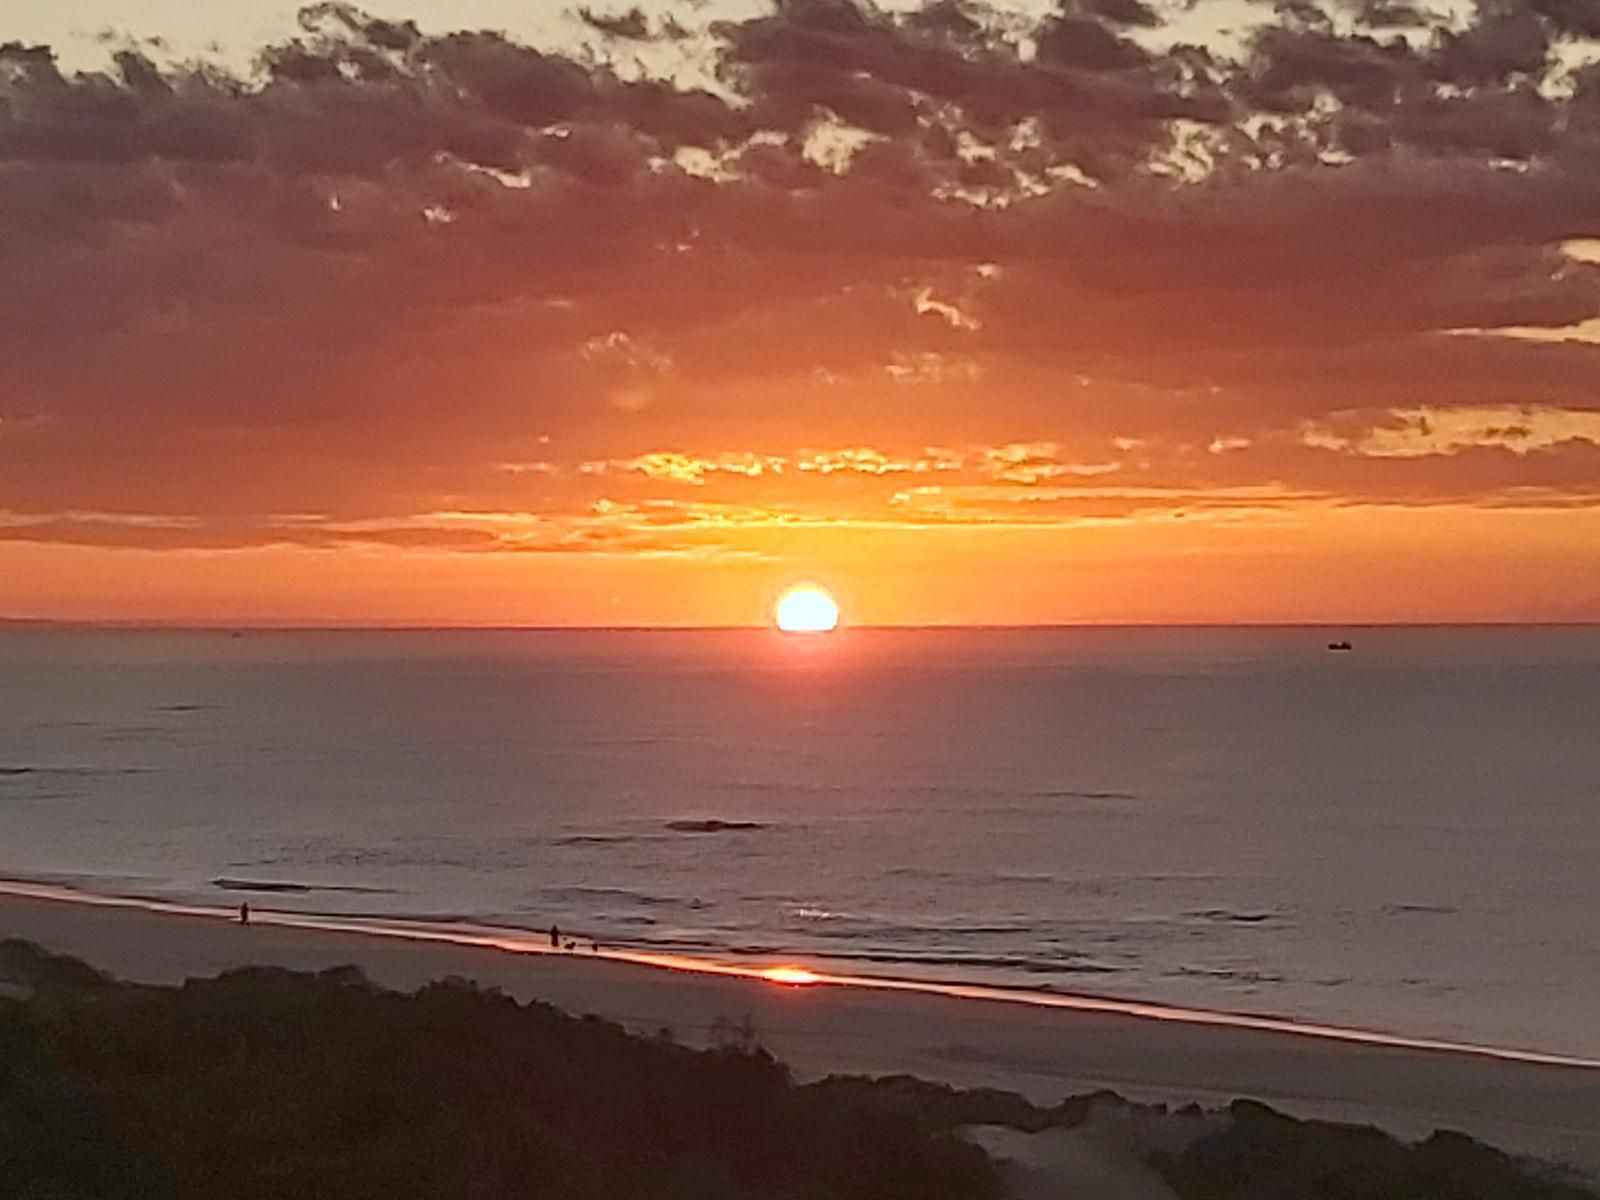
[{"x": 154, "y": 625}]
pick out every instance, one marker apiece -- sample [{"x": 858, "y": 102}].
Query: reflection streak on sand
[{"x": 789, "y": 975}]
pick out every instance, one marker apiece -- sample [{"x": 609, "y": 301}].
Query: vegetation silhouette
[
  {"x": 267, "y": 1083},
  {"x": 1264, "y": 1155}
]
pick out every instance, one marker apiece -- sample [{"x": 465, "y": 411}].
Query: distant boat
[{"x": 1341, "y": 646}]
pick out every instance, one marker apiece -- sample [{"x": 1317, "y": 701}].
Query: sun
[{"x": 807, "y": 610}]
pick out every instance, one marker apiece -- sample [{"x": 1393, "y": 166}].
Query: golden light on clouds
[{"x": 982, "y": 317}]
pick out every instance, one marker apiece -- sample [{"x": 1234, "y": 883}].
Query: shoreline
[
  {"x": 786, "y": 972},
  {"x": 1041, "y": 1051}
]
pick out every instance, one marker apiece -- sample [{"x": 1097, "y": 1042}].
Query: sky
[{"x": 511, "y": 313}]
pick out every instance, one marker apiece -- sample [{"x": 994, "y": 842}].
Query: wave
[
  {"x": 289, "y": 886},
  {"x": 973, "y": 790},
  {"x": 1071, "y": 794},
  {"x": 848, "y": 927},
  {"x": 697, "y": 825},
  {"x": 1227, "y": 916},
  {"x": 593, "y": 892},
  {"x": 1021, "y": 965},
  {"x": 390, "y": 857},
  {"x": 73, "y": 771},
  {"x": 1228, "y": 974},
  {"x": 1027, "y": 966}
]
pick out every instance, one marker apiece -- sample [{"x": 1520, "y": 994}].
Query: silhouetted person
[
  {"x": 555, "y": 938},
  {"x": 244, "y": 913}
]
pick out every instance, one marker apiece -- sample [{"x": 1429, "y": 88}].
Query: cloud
[{"x": 366, "y": 275}]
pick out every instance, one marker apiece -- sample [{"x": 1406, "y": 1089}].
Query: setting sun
[{"x": 807, "y": 610}]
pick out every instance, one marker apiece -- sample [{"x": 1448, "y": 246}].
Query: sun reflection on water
[{"x": 790, "y": 976}]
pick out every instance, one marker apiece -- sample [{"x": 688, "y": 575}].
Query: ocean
[{"x": 1404, "y": 837}]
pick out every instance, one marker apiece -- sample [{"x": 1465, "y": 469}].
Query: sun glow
[
  {"x": 790, "y": 976},
  {"x": 807, "y": 610}
]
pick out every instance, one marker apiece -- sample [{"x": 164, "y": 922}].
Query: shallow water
[{"x": 1405, "y": 837}]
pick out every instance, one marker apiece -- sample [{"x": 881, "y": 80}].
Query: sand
[{"x": 1548, "y": 1110}]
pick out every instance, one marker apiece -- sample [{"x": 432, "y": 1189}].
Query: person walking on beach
[
  {"x": 244, "y": 912},
  {"x": 555, "y": 938}
]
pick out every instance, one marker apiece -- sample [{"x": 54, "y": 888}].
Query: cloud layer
[{"x": 828, "y": 266}]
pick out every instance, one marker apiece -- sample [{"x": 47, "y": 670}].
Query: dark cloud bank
[{"x": 391, "y": 272}]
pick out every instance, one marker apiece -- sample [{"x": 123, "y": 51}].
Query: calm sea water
[{"x": 1405, "y": 837}]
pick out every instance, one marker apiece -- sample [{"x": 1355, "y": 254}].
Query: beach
[{"x": 1542, "y": 1109}]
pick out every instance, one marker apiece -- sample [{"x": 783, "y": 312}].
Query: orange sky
[
  {"x": 1359, "y": 565},
  {"x": 971, "y": 320}
]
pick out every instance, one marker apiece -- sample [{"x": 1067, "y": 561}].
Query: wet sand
[{"x": 1045, "y": 1051}]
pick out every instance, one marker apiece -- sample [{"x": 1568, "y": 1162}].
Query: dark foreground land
[{"x": 271, "y": 1083}]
